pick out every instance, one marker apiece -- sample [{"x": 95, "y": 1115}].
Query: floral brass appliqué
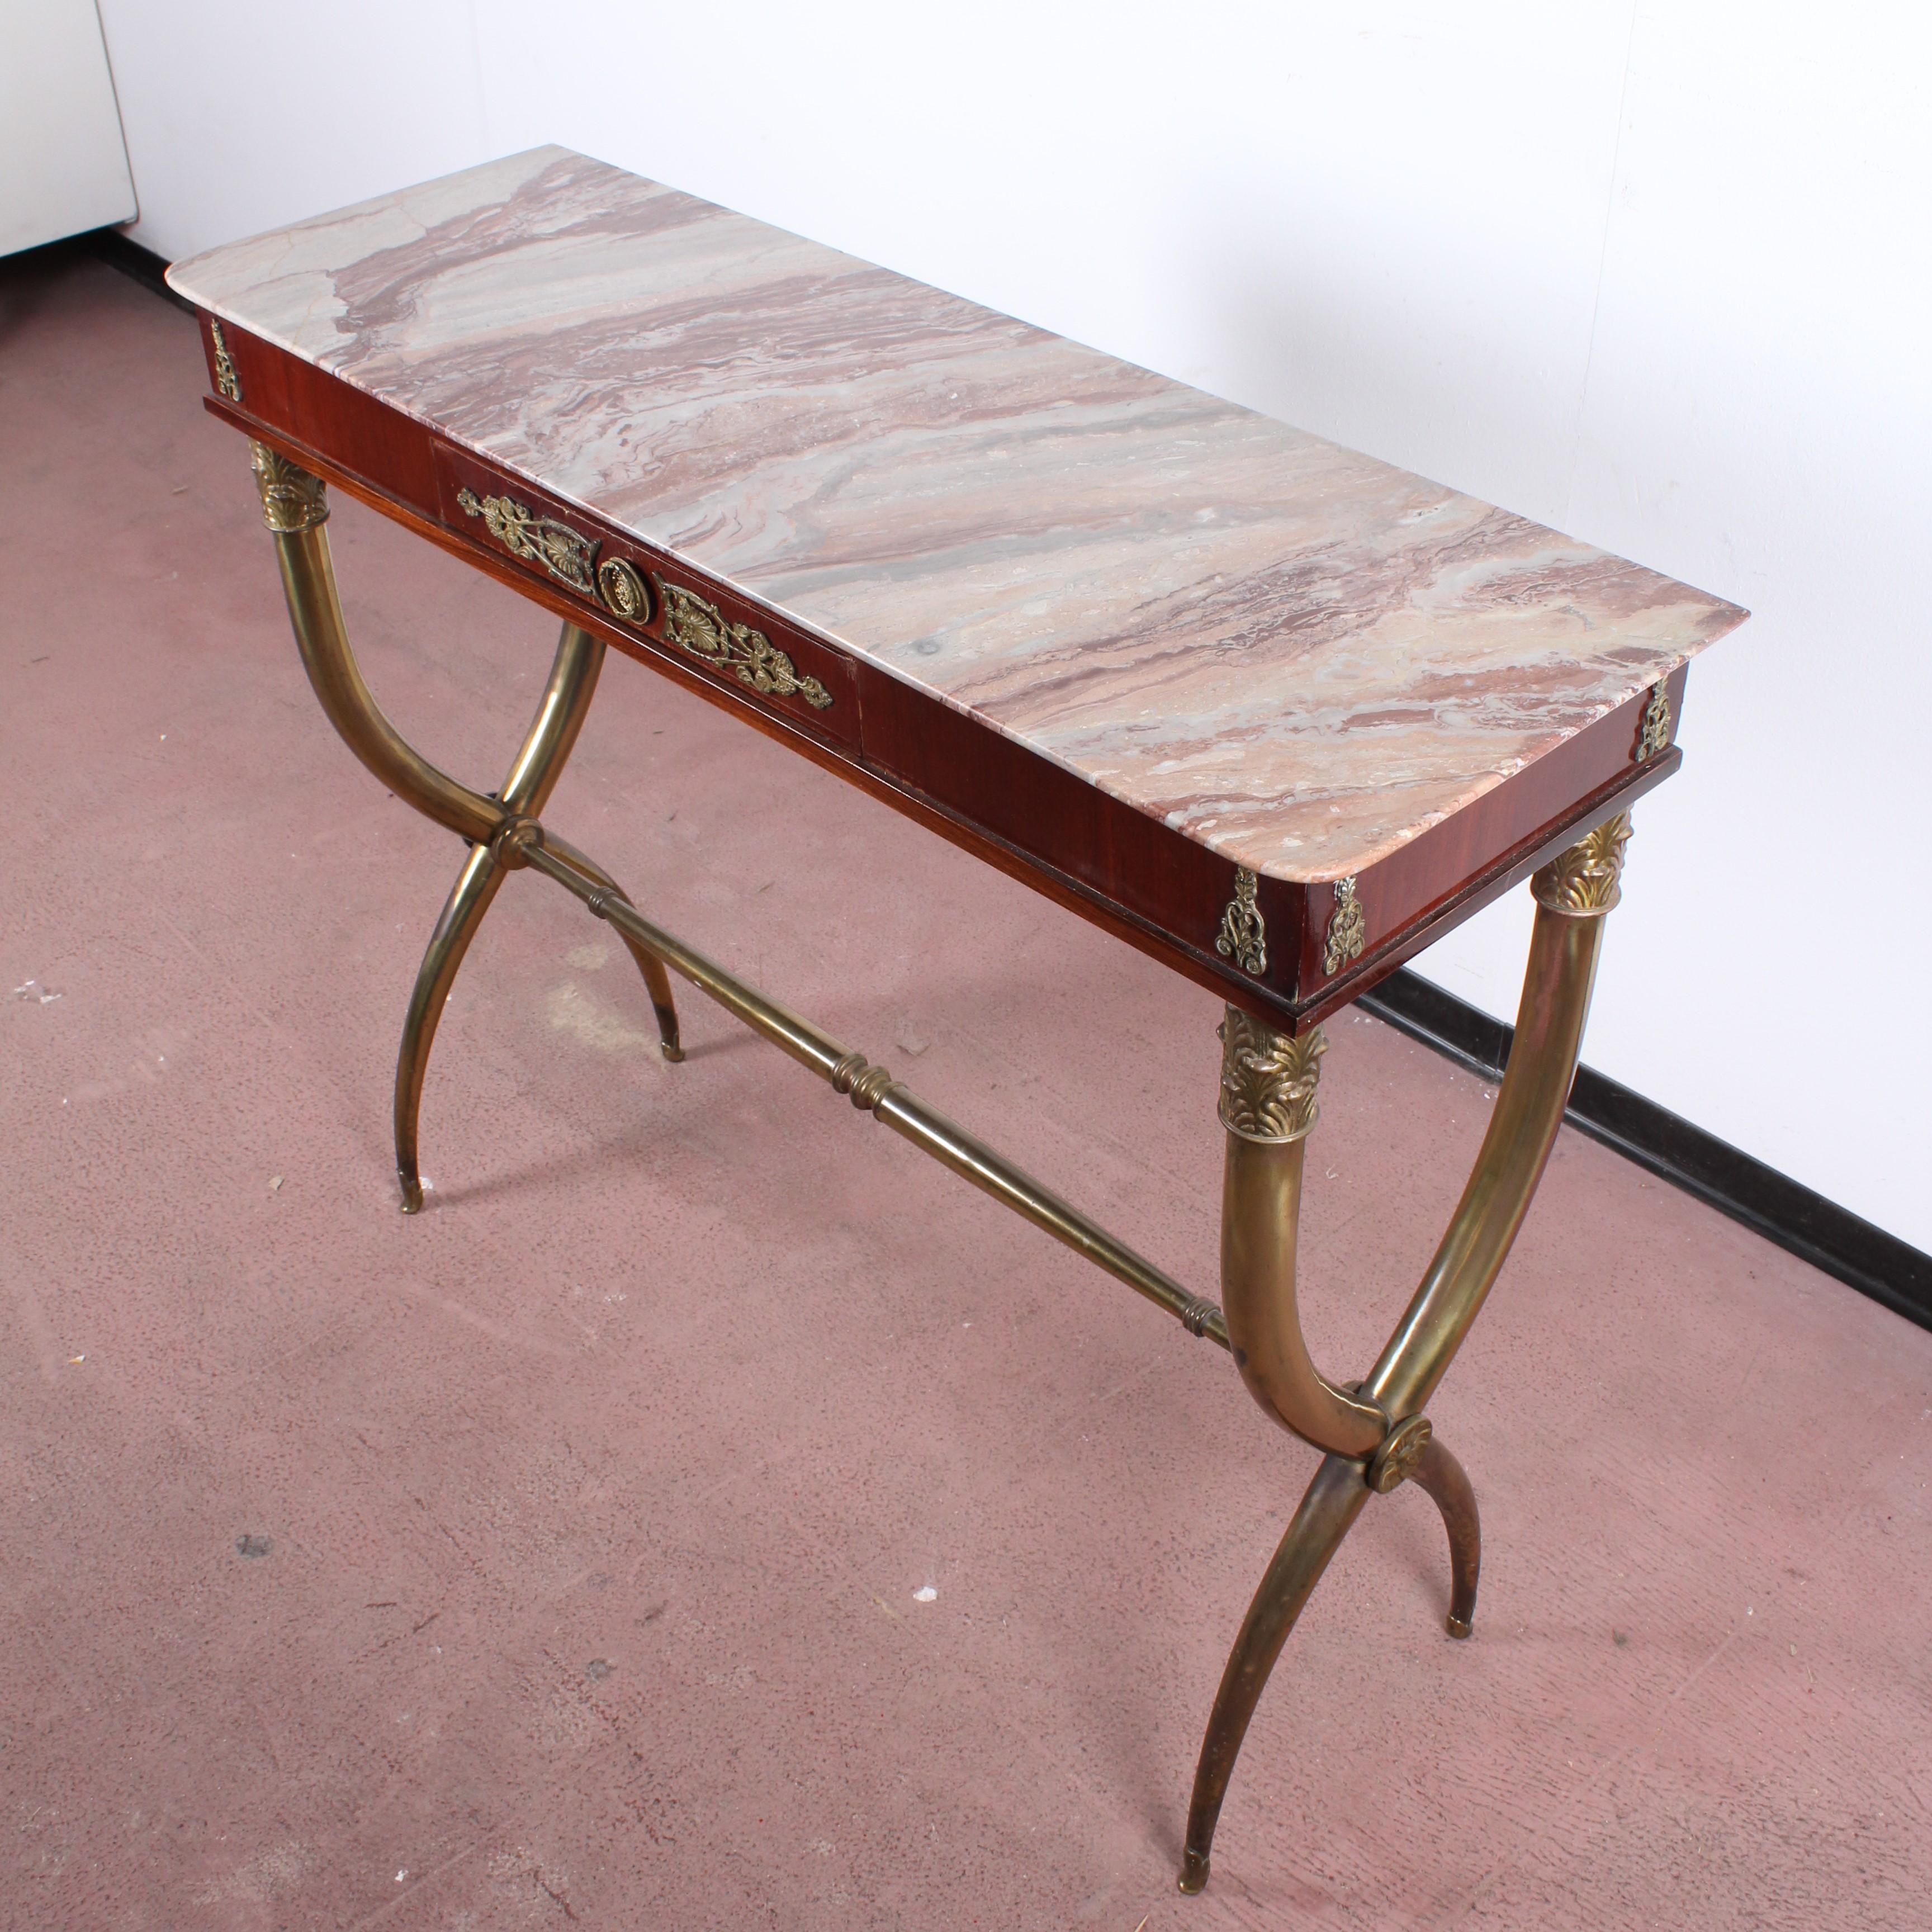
[
  {"x": 1348, "y": 929},
  {"x": 566, "y": 553},
  {"x": 1243, "y": 937},
  {"x": 749, "y": 655},
  {"x": 1395, "y": 1461},
  {"x": 1653, "y": 733}
]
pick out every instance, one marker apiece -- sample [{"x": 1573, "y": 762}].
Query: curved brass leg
[
  {"x": 1267, "y": 1107},
  {"x": 1557, "y": 982},
  {"x": 463, "y": 912},
  {"x": 295, "y": 507},
  {"x": 551, "y": 739},
  {"x": 1375, "y": 1432},
  {"x": 1438, "y": 1472},
  {"x": 1328, "y": 1511}
]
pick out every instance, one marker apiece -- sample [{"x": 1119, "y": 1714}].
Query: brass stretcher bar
[{"x": 1374, "y": 1433}]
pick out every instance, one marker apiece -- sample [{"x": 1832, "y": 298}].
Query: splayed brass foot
[
  {"x": 1334, "y": 1499},
  {"x": 476, "y": 885},
  {"x": 1440, "y": 1475}
]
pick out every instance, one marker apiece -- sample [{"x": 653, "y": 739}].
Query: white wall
[
  {"x": 1658, "y": 274},
  {"x": 63, "y": 170}
]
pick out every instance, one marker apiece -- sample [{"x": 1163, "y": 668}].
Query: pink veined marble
[{"x": 1295, "y": 655}]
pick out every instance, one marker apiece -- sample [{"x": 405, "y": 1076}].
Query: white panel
[
  {"x": 241, "y": 116},
  {"x": 63, "y": 170},
  {"x": 1758, "y": 417}
]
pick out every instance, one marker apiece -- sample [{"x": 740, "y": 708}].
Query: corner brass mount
[
  {"x": 1348, "y": 929},
  {"x": 1653, "y": 731},
  {"x": 1244, "y": 935},
  {"x": 227, "y": 381}
]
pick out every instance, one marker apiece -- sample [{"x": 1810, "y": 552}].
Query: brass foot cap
[
  {"x": 1193, "y": 1872},
  {"x": 1457, "y": 1627},
  {"x": 412, "y": 1193},
  {"x": 673, "y": 1051}
]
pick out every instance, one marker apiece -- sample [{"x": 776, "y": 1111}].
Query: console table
[{"x": 1274, "y": 712}]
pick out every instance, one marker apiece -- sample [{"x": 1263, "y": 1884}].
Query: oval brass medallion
[{"x": 622, "y": 590}]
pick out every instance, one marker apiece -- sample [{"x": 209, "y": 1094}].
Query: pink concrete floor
[{"x": 596, "y": 1501}]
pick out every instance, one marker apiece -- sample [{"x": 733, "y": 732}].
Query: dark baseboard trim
[
  {"x": 1780, "y": 1209},
  {"x": 111, "y": 246}
]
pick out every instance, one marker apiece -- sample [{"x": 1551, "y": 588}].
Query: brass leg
[
  {"x": 1328, "y": 1511},
  {"x": 1438, "y": 1472},
  {"x": 463, "y": 912},
  {"x": 533, "y": 777},
  {"x": 1375, "y": 1433},
  {"x": 295, "y": 507}
]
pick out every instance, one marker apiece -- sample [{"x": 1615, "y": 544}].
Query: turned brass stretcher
[{"x": 946, "y": 556}]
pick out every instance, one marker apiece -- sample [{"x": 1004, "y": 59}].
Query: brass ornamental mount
[
  {"x": 1653, "y": 731},
  {"x": 622, "y": 587},
  {"x": 227, "y": 381},
  {"x": 1395, "y": 1461},
  {"x": 701, "y": 627},
  {"x": 1348, "y": 929},
  {"x": 1374, "y": 1433},
  {"x": 566, "y": 553},
  {"x": 1244, "y": 935},
  {"x": 1268, "y": 1080}
]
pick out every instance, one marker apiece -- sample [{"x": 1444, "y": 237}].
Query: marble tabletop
[{"x": 1298, "y": 656}]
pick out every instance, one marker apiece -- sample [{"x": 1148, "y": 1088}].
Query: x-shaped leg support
[
  {"x": 296, "y": 507},
  {"x": 1375, "y": 1432},
  {"x": 546, "y": 746}
]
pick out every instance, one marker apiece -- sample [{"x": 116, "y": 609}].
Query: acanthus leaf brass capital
[
  {"x": 1583, "y": 882},
  {"x": 292, "y": 499},
  {"x": 1268, "y": 1079}
]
